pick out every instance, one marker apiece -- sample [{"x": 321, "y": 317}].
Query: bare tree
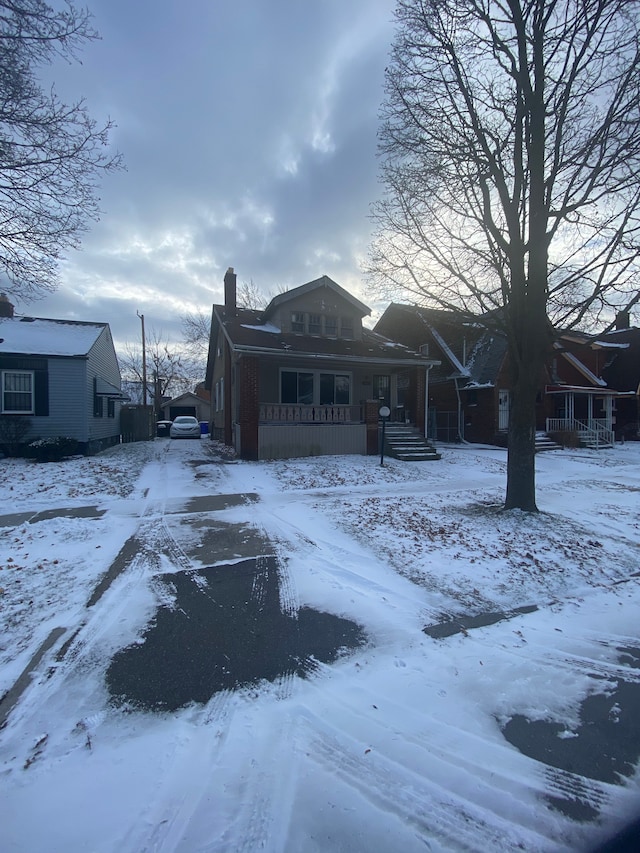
[
  {"x": 195, "y": 330},
  {"x": 196, "y": 326},
  {"x": 51, "y": 153},
  {"x": 251, "y": 296},
  {"x": 169, "y": 371},
  {"x": 510, "y": 152}
]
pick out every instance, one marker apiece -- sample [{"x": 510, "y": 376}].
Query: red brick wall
[
  {"x": 371, "y": 408},
  {"x": 249, "y": 409}
]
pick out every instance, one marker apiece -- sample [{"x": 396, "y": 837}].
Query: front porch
[
  {"x": 594, "y": 433},
  {"x": 586, "y": 413}
]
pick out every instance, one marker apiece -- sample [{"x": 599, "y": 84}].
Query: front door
[
  {"x": 382, "y": 390},
  {"x": 503, "y": 410}
]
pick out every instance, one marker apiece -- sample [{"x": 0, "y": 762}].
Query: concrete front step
[
  {"x": 543, "y": 442},
  {"x": 405, "y": 444}
]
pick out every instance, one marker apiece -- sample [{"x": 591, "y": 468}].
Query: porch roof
[{"x": 581, "y": 389}]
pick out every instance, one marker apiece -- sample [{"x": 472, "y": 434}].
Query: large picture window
[
  {"x": 296, "y": 387},
  {"x": 335, "y": 389},
  {"x": 17, "y": 392},
  {"x": 309, "y": 388}
]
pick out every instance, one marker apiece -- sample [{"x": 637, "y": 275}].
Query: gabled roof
[
  {"x": 473, "y": 351},
  {"x": 249, "y": 331},
  {"x": 38, "y": 336},
  {"x": 323, "y": 281},
  {"x": 186, "y": 395}
]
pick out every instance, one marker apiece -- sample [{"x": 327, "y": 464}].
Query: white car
[{"x": 185, "y": 426}]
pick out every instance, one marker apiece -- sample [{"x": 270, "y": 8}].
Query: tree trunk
[{"x": 521, "y": 470}]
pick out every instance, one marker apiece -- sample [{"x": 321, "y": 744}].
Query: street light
[{"x": 384, "y": 412}]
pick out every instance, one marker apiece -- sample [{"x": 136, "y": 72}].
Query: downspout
[
  {"x": 460, "y": 418},
  {"x": 426, "y": 400}
]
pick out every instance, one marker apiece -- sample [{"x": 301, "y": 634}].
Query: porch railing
[
  {"x": 286, "y": 413},
  {"x": 594, "y": 432}
]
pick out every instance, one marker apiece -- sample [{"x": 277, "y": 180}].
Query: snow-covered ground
[{"x": 398, "y": 745}]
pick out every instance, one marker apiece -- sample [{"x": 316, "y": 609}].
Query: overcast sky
[{"x": 248, "y": 129}]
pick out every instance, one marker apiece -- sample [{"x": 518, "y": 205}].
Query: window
[
  {"x": 346, "y": 327},
  {"x": 17, "y": 392},
  {"x": 331, "y": 326},
  {"x": 219, "y": 395},
  {"x": 315, "y": 324},
  {"x": 296, "y": 387},
  {"x": 335, "y": 389},
  {"x": 297, "y": 322},
  {"x": 111, "y": 408}
]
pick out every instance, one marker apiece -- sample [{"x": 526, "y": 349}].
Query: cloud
[{"x": 249, "y": 134}]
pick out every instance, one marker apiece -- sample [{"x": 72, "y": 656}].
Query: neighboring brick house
[
  {"x": 469, "y": 389},
  {"x": 615, "y": 357},
  {"x": 304, "y": 377},
  {"x": 61, "y": 376},
  {"x": 469, "y": 393}
]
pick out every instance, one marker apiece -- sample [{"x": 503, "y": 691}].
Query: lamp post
[{"x": 384, "y": 412}]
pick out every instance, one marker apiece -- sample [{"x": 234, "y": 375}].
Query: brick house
[
  {"x": 304, "y": 377},
  {"x": 615, "y": 358},
  {"x": 469, "y": 391}
]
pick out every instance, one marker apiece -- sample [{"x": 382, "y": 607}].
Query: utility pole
[{"x": 144, "y": 361}]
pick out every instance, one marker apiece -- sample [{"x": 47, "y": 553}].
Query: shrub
[
  {"x": 13, "y": 433},
  {"x": 566, "y": 438},
  {"x": 53, "y": 449}
]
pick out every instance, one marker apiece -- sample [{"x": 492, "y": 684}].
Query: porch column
[
  {"x": 608, "y": 411},
  {"x": 249, "y": 406},
  {"x": 422, "y": 401}
]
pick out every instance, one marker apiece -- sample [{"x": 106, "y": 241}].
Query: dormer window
[
  {"x": 331, "y": 326},
  {"x": 315, "y": 324},
  {"x": 346, "y": 327},
  {"x": 297, "y": 322}
]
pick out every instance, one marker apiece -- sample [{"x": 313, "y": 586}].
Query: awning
[{"x": 106, "y": 389}]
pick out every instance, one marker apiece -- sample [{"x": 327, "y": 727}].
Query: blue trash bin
[{"x": 204, "y": 428}]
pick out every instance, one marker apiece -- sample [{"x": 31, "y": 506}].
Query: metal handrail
[{"x": 594, "y": 430}]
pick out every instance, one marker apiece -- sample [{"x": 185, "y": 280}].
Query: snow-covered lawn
[{"x": 397, "y": 746}]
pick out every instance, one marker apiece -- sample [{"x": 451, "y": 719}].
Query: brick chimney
[
  {"x": 623, "y": 320},
  {"x": 230, "y": 292},
  {"x": 6, "y": 308}
]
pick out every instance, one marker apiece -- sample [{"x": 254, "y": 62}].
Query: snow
[
  {"x": 396, "y": 746},
  {"x": 264, "y": 327},
  {"x": 47, "y": 337}
]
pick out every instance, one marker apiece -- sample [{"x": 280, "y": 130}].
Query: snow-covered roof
[{"x": 37, "y": 336}]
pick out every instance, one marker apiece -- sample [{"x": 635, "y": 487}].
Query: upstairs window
[
  {"x": 331, "y": 326},
  {"x": 17, "y": 392},
  {"x": 346, "y": 327},
  {"x": 297, "y": 322},
  {"x": 315, "y": 324}
]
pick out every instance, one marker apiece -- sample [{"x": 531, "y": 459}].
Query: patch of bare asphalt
[
  {"x": 225, "y": 630},
  {"x": 605, "y": 745}
]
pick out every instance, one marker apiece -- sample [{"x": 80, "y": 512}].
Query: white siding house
[{"x": 62, "y": 376}]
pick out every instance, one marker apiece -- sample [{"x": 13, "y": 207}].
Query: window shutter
[{"x": 41, "y": 390}]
